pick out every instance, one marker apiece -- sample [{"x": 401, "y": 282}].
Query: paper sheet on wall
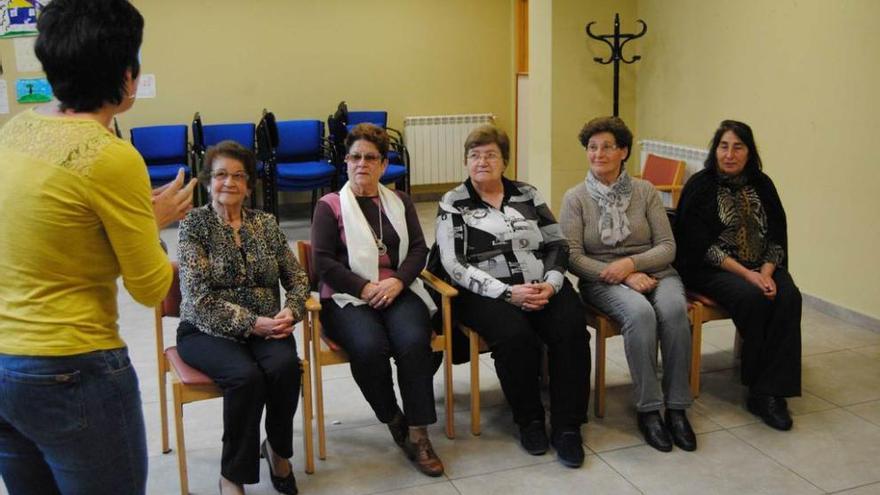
[
  {"x": 147, "y": 86},
  {"x": 25, "y": 59},
  {"x": 4, "y": 98}
]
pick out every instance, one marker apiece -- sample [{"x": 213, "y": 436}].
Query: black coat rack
[{"x": 616, "y": 42}]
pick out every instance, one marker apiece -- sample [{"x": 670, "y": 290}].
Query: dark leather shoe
[
  {"x": 533, "y": 437},
  {"x": 651, "y": 426},
  {"x": 679, "y": 427},
  {"x": 287, "y": 484},
  {"x": 422, "y": 454},
  {"x": 569, "y": 447},
  {"x": 399, "y": 429},
  {"x": 773, "y": 410}
]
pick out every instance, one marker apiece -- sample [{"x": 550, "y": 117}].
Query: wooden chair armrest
[
  {"x": 313, "y": 305},
  {"x": 438, "y": 284},
  {"x": 669, "y": 188}
]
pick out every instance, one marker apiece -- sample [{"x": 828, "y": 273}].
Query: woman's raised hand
[
  {"x": 172, "y": 201},
  {"x": 617, "y": 271}
]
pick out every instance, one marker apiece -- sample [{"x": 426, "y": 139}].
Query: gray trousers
[{"x": 643, "y": 319}]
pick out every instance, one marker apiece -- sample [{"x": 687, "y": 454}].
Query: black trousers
[
  {"x": 770, "y": 329},
  {"x": 515, "y": 338},
  {"x": 252, "y": 374},
  {"x": 371, "y": 338}
]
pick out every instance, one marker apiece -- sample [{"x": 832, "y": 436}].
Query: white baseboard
[{"x": 842, "y": 313}]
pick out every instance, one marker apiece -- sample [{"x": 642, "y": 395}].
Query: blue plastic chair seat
[
  {"x": 393, "y": 173},
  {"x": 161, "y": 174},
  {"x": 306, "y": 171}
]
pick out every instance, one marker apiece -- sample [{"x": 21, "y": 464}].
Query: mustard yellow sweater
[{"x": 75, "y": 203}]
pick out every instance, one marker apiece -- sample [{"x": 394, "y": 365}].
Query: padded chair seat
[
  {"x": 188, "y": 375},
  {"x": 393, "y": 172},
  {"x": 306, "y": 170},
  {"x": 703, "y": 299},
  {"x": 160, "y": 174}
]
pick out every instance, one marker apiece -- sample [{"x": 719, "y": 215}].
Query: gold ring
[{"x": 384, "y": 297}]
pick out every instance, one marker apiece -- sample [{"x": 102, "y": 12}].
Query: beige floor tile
[
  {"x": 843, "y": 377},
  {"x": 872, "y": 489},
  {"x": 722, "y": 399},
  {"x": 440, "y": 488},
  {"x": 832, "y": 449},
  {"x": 868, "y": 410},
  {"x": 550, "y": 477},
  {"x": 872, "y": 351},
  {"x": 721, "y": 465}
]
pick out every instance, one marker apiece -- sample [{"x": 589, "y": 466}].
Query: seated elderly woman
[
  {"x": 498, "y": 240},
  {"x": 622, "y": 249},
  {"x": 369, "y": 249},
  {"x": 232, "y": 329},
  {"x": 732, "y": 238}
]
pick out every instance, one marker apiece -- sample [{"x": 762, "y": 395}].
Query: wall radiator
[
  {"x": 693, "y": 158},
  {"x": 436, "y": 146}
]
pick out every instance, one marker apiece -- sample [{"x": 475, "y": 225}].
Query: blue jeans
[
  {"x": 72, "y": 425},
  {"x": 645, "y": 318}
]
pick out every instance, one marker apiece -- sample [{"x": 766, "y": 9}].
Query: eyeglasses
[
  {"x": 367, "y": 157},
  {"x": 491, "y": 156},
  {"x": 605, "y": 148},
  {"x": 222, "y": 175}
]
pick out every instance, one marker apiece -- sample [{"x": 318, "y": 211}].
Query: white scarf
[
  {"x": 613, "y": 201},
  {"x": 363, "y": 255}
]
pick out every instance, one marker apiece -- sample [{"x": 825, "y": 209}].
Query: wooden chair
[
  {"x": 708, "y": 310},
  {"x": 191, "y": 385},
  {"x": 322, "y": 351},
  {"x": 606, "y": 327},
  {"x": 665, "y": 174}
]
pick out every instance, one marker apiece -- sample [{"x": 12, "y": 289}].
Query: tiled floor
[{"x": 833, "y": 448}]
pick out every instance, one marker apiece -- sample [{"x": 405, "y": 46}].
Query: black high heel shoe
[{"x": 286, "y": 485}]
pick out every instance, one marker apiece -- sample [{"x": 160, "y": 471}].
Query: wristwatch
[{"x": 508, "y": 295}]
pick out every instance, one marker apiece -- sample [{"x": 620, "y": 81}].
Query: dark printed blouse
[
  {"x": 744, "y": 237},
  {"x": 226, "y": 287}
]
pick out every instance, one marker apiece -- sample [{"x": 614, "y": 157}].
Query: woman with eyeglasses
[
  {"x": 733, "y": 247},
  {"x": 499, "y": 242},
  {"x": 368, "y": 251},
  {"x": 232, "y": 327},
  {"x": 622, "y": 251}
]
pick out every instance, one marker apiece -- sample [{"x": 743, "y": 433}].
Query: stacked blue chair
[
  {"x": 208, "y": 135},
  {"x": 164, "y": 148},
  {"x": 296, "y": 158},
  {"x": 398, "y": 156}
]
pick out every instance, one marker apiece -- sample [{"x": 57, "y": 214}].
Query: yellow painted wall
[
  {"x": 567, "y": 88},
  {"x": 804, "y": 75},
  {"x": 230, "y": 59}
]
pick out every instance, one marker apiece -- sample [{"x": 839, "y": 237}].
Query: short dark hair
[
  {"x": 235, "y": 151},
  {"x": 371, "y": 133},
  {"x": 744, "y": 133},
  {"x": 85, "y": 47},
  {"x": 488, "y": 134},
  {"x": 623, "y": 137}
]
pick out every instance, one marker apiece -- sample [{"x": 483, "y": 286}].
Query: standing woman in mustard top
[{"x": 77, "y": 214}]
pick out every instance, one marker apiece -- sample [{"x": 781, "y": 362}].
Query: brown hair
[
  {"x": 235, "y": 151},
  {"x": 371, "y": 133},
  {"x": 488, "y": 134},
  {"x": 623, "y": 137}
]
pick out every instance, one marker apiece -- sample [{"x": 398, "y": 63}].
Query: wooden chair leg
[
  {"x": 319, "y": 401},
  {"x": 163, "y": 405},
  {"x": 474, "y": 340},
  {"x": 447, "y": 382},
  {"x": 696, "y": 315},
  {"x": 181, "y": 445},
  {"x": 599, "y": 407},
  {"x": 308, "y": 442}
]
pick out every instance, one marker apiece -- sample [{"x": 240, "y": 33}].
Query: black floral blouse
[{"x": 226, "y": 287}]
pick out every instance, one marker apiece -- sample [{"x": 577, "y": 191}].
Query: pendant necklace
[{"x": 383, "y": 249}]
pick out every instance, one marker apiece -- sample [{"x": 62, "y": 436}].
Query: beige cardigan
[{"x": 650, "y": 243}]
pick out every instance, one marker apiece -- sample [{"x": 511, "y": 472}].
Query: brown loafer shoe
[{"x": 423, "y": 456}]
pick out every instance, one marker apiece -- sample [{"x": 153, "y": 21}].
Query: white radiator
[{"x": 436, "y": 146}]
